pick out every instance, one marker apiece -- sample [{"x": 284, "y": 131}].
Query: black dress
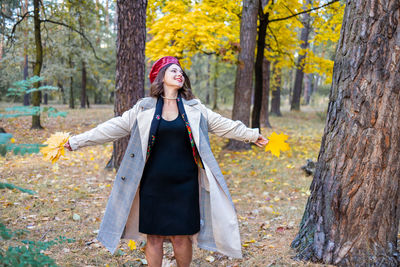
[{"x": 169, "y": 189}]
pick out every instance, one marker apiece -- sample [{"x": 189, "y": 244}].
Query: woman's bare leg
[
  {"x": 154, "y": 250},
  {"x": 182, "y": 250}
]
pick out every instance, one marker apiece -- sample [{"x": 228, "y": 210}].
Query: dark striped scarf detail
[{"x": 156, "y": 122}]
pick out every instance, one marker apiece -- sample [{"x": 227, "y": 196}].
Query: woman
[{"x": 169, "y": 166}]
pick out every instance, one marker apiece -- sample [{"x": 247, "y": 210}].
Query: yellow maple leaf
[
  {"x": 55, "y": 146},
  {"x": 132, "y": 244},
  {"x": 277, "y": 144}
]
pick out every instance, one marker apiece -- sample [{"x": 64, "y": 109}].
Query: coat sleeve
[
  {"x": 228, "y": 128},
  {"x": 108, "y": 131}
]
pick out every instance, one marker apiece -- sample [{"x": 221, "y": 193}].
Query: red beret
[{"x": 157, "y": 66}]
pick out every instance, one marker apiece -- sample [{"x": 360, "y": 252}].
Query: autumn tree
[
  {"x": 129, "y": 76},
  {"x": 278, "y": 21},
  {"x": 351, "y": 217},
  {"x": 244, "y": 72},
  {"x": 298, "y": 82}
]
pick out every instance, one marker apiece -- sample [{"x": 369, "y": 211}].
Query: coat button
[
  {"x": 123, "y": 177},
  {"x": 132, "y": 155}
]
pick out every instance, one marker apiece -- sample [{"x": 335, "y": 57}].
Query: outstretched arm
[
  {"x": 237, "y": 130},
  {"x": 108, "y": 131}
]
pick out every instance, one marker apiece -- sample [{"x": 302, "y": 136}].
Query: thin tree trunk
[
  {"x": 107, "y": 14},
  {"x": 1, "y": 46},
  {"x": 264, "y": 117},
  {"x": 216, "y": 74},
  {"x": 315, "y": 84},
  {"x": 258, "y": 68},
  {"x": 26, "y": 74},
  {"x": 26, "y": 66},
  {"x": 276, "y": 91},
  {"x": 71, "y": 89},
  {"x": 244, "y": 73},
  {"x": 83, "y": 89},
  {"x": 63, "y": 98},
  {"x": 208, "y": 80},
  {"x": 130, "y": 72},
  {"x": 38, "y": 63},
  {"x": 352, "y": 215},
  {"x": 307, "y": 88},
  {"x": 298, "y": 82}
]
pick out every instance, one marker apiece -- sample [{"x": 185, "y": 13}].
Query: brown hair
[{"x": 157, "y": 87}]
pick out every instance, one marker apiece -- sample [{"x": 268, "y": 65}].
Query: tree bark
[
  {"x": 276, "y": 91},
  {"x": 258, "y": 67},
  {"x": 298, "y": 82},
  {"x": 244, "y": 72},
  {"x": 352, "y": 215},
  {"x": 38, "y": 63},
  {"x": 130, "y": 65},
  {"x": 264, "y": 117},
  {"x": 83, "y": 88}
]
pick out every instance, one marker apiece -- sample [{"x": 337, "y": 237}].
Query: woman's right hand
[{"x": 67, "y": 145}]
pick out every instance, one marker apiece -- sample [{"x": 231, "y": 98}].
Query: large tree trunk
[
  {"x": 83, "y": 88},
  {"x": 352, "y": 215},
  {"x": 264, "y": 117},
  {"x": 258, "y": 67},
  {"x": 130, "y": 72},
  {"x": 38, "y": 63},
  {"x": 244, "y": 73},
  {"x": 298, "y": 82},
  {"x": 276, "y": 91}
]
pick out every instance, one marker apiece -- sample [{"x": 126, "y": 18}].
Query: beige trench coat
[{"x": 219, "y": 229}]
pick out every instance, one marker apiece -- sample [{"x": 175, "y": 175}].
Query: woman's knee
[
  {"x": 180, "y": 241},
  {"x": 155, "y": 240}
]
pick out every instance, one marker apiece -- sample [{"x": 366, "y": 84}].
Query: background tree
[
  {"x": 304, "y": 36},
  {"x": 129, "y": 76},
  {"x": 245, "y": 66},
  {"x": 352, "y": 217}
]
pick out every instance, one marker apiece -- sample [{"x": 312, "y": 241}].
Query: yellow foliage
[
  {"x": 132, "y": 244},
  {"x": 183, "y": 28},
  {"x": 55, "y": 146},
  {"x": 277, "y": 144}
]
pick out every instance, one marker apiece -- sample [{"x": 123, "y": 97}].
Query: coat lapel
[
  {"x": 144, "y": 118},
  {"x": 194, "y": 116}
]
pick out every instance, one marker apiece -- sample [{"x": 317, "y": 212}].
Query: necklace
[{"x": 168, "y": 98}]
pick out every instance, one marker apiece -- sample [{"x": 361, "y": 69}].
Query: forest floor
[{"x": 270, "y": 193}]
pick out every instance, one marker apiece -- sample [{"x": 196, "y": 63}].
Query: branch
[
  {"x": 80, "y": 33},
  {"x": 279, "y": 49},
  {"x": 305, "y": 11},
  {"x": 11, "y": 38}
]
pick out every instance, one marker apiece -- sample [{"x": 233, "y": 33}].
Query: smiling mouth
[{"x": 179, "y": 80}]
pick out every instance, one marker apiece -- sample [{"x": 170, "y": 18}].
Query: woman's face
[{"x": 174, "y": 77}]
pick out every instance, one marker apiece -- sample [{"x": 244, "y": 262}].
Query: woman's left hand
[{"x": 261, "y": 141}]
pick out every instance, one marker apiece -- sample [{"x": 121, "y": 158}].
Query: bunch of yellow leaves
[
  {"x": 55, "y": 146},
  {"x": 277, "y": 143}
]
